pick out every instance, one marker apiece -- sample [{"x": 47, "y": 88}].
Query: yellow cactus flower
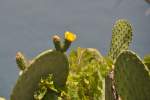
[{"x": 70, "y": 36}]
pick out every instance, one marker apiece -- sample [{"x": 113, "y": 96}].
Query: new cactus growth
[
  {"x": 131, "y": 77},
  {"x": 21, "y": 61},
  {"x": 57, "y": 43},
  {"x": 121, "y": 38}
]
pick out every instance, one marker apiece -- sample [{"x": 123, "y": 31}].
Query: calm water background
[{"x": 27, "y": 25}]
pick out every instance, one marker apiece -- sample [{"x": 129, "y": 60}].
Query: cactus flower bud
[
  {"x": 20, "y": 60},
  {"x": 56, "y": 41},
  {"x": 56, "y": 38}
]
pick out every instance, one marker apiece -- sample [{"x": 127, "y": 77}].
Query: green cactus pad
[
  {"x": 48, "y": 62},
  {"x": 131, "y": 77},
  {"x": 121, "y": 38}
]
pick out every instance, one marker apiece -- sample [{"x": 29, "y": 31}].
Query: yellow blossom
[{"x": 70, "y": 36}]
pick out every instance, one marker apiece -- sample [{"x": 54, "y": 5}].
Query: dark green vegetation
[{"x": 85, "y": 74}]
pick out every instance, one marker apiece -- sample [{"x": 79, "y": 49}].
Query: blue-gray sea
[{"x": 27, "y": 26}]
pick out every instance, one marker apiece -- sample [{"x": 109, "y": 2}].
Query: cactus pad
[
  {"x": 131, "y": 77},
  {"x": 121, "y": 38},
  {"x": 48, "y": 62}
]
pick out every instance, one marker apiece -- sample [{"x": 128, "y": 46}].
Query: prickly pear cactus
[
  {"x": 49, "y": 62},
  {"x": 121, "y": 38},
  {"x": 131, "y": 77}
]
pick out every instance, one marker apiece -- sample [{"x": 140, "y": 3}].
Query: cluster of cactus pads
[{"x": 85, "y": 74}]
